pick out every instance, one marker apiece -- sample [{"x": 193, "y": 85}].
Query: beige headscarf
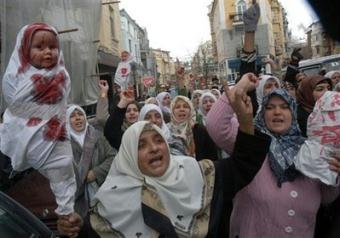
[{"x": 183, "y": 130}]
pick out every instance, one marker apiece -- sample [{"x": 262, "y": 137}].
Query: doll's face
[
  {"x": 124, "y": 55},
  {"x": 44, "y": 49}
]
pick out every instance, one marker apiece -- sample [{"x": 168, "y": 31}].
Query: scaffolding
[{"x": 77, "y": 21}]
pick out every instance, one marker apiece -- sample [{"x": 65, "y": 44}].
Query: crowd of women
[{"x": 259, "y": 159}]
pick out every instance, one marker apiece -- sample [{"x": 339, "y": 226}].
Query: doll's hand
[
  {"x": 69, "y": 225},
  {"x": 251, "y": 17},
  {"x": 90, "y": 176},
  {"x": 334, "y": 164}
]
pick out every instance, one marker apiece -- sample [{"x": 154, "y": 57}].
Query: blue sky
[{"x": 179, "y": 26}]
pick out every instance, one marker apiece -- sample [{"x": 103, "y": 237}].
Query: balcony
[{"x": 237, "y": 19}]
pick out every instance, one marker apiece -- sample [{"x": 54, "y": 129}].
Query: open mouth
[
  {"x": 79, "y": 124},
  {"x": 156, "y": 161},
  {"x": 182, "y": 116},
  {"x": 132, "y": 118},
  {"x": 47, "y": 59},
  {"x": 277, "y": 121}
]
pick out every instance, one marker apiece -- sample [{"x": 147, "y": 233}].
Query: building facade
[
  {"x": 135, "y": 40},
  {"x": 203, "y": 61},
  {"x": 280, "y": 24},
  {"x": 320, "y": 42},
  {"x": 165, "y": 67},
  {"x": 109, "y": 38},
  {"x": 227, "y": 33}
]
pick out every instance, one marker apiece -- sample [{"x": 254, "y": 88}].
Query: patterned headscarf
[
  {"x": 283, "y": 147},
  {"x": 323, "y": 141}
]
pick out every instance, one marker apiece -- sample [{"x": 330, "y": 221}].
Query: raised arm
[
  {"x": 112, "y": 130},
  {"x": 250, "y": 147},
  {"x": 222, "y": 123},
  {"x": 232, "y": 174},
  {"x": 180, "y": 73},
  {"x": 249, "y": 54},
  {"x": 102, "y": 109}
]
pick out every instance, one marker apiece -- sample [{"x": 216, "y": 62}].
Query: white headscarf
[
  {"x": 79, "y": 137},
  {"x": 123, "y": 73},
  {"x": 150, "y": 99},
  {"x": 160, "y": 98},
  {"x": 201, "y": 109},
  {"x": 260, "y": 88},
  {"x": 337, "y": 87},
  {"x": 34, "y": 121},
  {"x": 217, "y": 91},
  {"x": 152, "y": 107},
  {"x": 180, "y": 188},
  {"x": 330, "y": 74},
  {"x": 198, "y": 91}
]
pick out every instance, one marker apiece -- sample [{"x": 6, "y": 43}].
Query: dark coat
[
  {"x": 113, "y": 128},
  {"x": 205, "y": 148}
]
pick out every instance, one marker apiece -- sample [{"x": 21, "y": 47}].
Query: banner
[{"x": 148, "y": 81}]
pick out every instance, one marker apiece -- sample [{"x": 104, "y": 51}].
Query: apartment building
[{"x": 227, "y": 33}]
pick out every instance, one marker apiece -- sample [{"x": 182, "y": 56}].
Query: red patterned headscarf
[{"x": 24, "y": 50}]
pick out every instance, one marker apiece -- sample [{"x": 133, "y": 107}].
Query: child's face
[{"x": 44, "y": 50}]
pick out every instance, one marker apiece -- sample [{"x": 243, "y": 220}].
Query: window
[
  {"x": 130, "y": 46},
  {"x": 317, "y": 48},
  {"x": 241, "y": 7},
  {"x": 136, "y": 50},
  {"x": 112, "y": 23}
]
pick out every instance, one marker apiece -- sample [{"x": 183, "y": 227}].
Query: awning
[
  {"x": 234, "y": 64},
  {"x": 108, "y": 59}
]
